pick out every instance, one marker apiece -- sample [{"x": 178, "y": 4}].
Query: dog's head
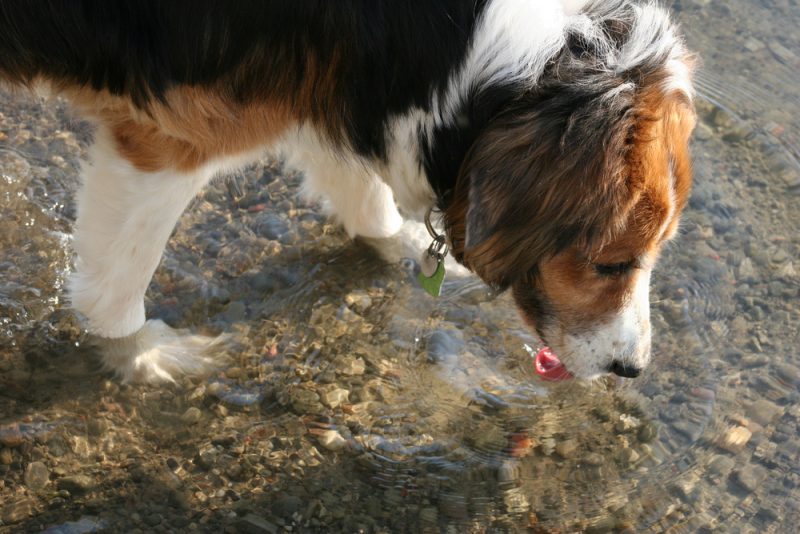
[{"x": 566, "y": 198}]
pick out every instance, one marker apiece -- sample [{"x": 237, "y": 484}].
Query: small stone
[
  {"x": 753, "y": 44},
  {"x": 628, "y": 457},
  {"x": 233, "y": 372},
  {"x": 97, "y": 427},
  {"x": 508, "y": 472},
  {"x": 11, "y": 437},
  {"x": 192, "y": 415},
  {"x": 750, "y": 477},
  {"x": 593, "y": 459},
  {"x": 358, "y": 300},
  {"x": 444, "y": 346},
  {"x": 17, "y": 511},
  {"x": 36, "y": 476},
  {"x": 782, "y": 53},
  {"x": 721, "y": 465},
  {"x": 647, "y": 432},
  {"x": 566, "y": 448},
  {"x": 84, "y": 525},
  {"x": 354, "y": 367},
  {"x": 764, "y": 412},
  {"x": 627, "y": 422},
  {"x": 429, "y": 515},
  {"x": 454, "y": 506},
  {"x": 286, "y": 506},
  {"x": 685, "y": 485},
  {"x": 332, "y": 440},
  {"x": 75, "y": 484},
  {"x": 305, "y": 401},
  {"x": 488, "y": 437},
  {"x": 6, "y": 456},
  {"x": 734, "y": 439},
  {"x": 253, "y": 524},
  {"x": 334, "y": 396},
  {"x": 80, "y": 446},
  {"x": 788, "y": 373}
]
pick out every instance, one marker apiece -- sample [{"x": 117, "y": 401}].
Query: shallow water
[{"x": 353, "y": 401}]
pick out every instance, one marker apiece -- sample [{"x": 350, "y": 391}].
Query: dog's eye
[{"x": 614, "y": 269}]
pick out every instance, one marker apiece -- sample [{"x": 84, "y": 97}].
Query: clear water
[{"x": 353, "y": 401}]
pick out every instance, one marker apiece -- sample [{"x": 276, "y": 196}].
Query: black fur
[{"x": 396, "y": 53}]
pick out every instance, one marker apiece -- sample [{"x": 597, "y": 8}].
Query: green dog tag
[{"x": 433, "y": 284}]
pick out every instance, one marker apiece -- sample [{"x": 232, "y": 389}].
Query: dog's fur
[{"x": 551, "y": 135}]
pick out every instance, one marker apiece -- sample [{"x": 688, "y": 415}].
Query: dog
[{"x": 550, "y": 136}]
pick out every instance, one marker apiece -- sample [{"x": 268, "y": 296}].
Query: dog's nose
[{"x": 621, "y": 369}]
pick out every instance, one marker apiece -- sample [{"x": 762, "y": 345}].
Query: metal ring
[{"x": 429, "y": 225}]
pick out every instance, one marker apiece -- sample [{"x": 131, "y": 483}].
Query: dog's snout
[{"x": 625, "y": 370}]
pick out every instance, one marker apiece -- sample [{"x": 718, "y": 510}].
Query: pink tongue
[{"x": 549, "y": 367}]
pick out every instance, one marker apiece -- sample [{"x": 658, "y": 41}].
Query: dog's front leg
[{"x": 125, "y": 217}]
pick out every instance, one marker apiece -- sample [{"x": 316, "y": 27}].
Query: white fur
[
  {"x": 125, "y": 217},
  {"x": 349, "y": 188},
  {"x": 158, "y": 353},
  {"x": 625, "y": 339}
]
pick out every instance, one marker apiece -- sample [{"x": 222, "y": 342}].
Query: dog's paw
[{"x": 158, "y": 353}]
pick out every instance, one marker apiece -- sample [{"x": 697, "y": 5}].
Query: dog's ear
[{"x": 542, "y": 176}]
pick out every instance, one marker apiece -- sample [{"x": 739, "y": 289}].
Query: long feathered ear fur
[{"x": 546, "y": 173}]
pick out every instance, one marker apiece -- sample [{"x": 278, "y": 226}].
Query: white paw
[{"x": 158, "y": 353}]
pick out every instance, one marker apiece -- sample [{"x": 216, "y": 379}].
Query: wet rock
[
  {"x": 359, "y": 300},
  {"x": 454, "y": 506},
  {"x": 548, "y": 445},
  {"x": 11, "y": 436},
  {"x": 429, "y": 515},
  {"x": 487, "y": 437},
  {"x": 566, "y": 448},
  {"x": 647, "y": 432},
  {"x": 788, "y": 373},
  {"x": 206, "y": 457},
  {"x": 36, "y": 476},
  {"x": 332, "y": 440},
  {"x": 75, "y": 483},
  {"x": 750, "y": 477},
  {"x": 516, "y": 501},
  {"x": 508, "y": 472},
  {"x": 734, "y": 439},
  {"x": 270, "y": 225},
  {"x": 628, "y": 457},
  {"x": 6, "y": 456},
  {"x": 253, "y": 524},
  {"x": 80, "y": 446},
  {"x": 97, "y": 427},
  {"x": 17, "y": 511},
  {"x": 354, "y": 367},
  {"x": 721, "y": 465},
  {"x": 305, "y": 401},
  {"x": 444, "y": 345},
  {"x": 192, "y": 415},
  {"x": 286, "y": 506},
  {"x": 764, "y": 412},
  {"x": 593, "y": 459},
  {"x": 85, "y": 525},
  {"x": 686, "y": 485},
  {"x": 333, "y": 396},
  {"x": 627, "y": 423}
]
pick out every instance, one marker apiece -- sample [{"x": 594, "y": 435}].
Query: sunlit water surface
[{"x": 353, "y": 401}]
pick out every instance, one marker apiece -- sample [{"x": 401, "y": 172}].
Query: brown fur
[
  {"x": 192, "y": 125},
  {"x": 626, "y": 191}
]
